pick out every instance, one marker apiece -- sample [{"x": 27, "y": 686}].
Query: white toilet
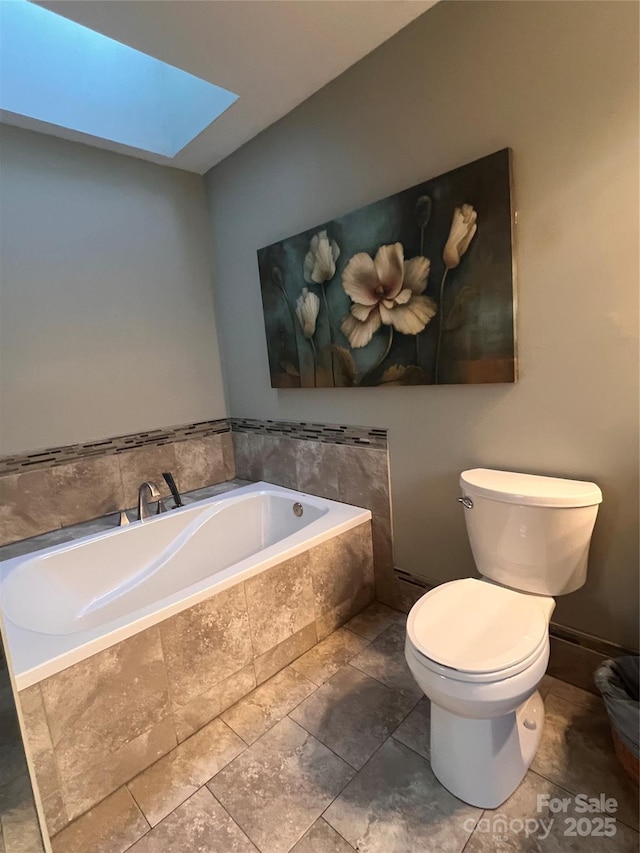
[{"x": 479, "y": 648}]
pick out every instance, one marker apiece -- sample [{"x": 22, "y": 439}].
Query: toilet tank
[{"x": 529, "y": 532}]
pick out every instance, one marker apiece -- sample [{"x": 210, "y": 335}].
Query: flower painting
[{"x": 416, "y": 289}]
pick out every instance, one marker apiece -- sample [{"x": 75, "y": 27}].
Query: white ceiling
[{"x": 273, "y": 53}]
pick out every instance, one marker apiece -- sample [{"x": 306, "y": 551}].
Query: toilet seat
[
  {"x": 474, "y": 678},
  {"x": 471, "y": 630}
]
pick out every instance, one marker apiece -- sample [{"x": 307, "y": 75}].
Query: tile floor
[{"x": 331, "y": 755}]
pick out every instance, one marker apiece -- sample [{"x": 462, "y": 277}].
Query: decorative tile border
[
  {"x": 53, "y": 456},
  {"x": 308, "y": 431},
  {"x": 328, "y": 433}
]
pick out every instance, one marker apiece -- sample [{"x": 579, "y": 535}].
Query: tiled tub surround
[
  {"x": 96, "y": 725},
  {"x": 342, "y": 463},
  {"x": 63, "y": 486},
  {"x": 61, "y": 605}
]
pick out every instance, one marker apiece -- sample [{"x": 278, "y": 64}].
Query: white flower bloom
[
  {"x": 463, "y": 228},
  {"x": 320, "y": 261},
  {"x": 307, "y": 308},
  {"x": 386, "y": 290}
]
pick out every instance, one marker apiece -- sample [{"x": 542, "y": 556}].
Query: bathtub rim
[{"x": 33, "y": 656}]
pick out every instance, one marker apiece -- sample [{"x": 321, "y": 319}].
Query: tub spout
[{"x": 148, "y": 493}]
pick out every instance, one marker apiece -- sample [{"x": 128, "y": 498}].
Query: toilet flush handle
[{"x": 467, "y": 503}]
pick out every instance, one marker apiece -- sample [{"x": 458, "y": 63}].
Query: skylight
[{"x": 63, "y": 73}]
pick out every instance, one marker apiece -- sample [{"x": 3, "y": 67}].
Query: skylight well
[{"x": 65, "y": 74}]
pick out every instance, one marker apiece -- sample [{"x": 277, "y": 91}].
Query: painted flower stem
[
  {"x": 315, "y": 362},
  {"x": 289, "y": 306},
  {"x": 440, "y": 328},
  {"x": 382, "y": 357},
  {"x": 330, "y": 324},
  {"x": 422, "y": 227}
]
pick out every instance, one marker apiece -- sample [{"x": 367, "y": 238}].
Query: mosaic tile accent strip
[
  {"x": 309, "y": 431},
  {"x": 53, "y": 456}
]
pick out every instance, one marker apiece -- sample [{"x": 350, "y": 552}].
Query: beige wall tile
[
  {"x": 27, "y": 506},
  {"x": 189, "y": 718},
  {"x": 248, "y": 449},
  {"x": 280, "y": 602},
  {"x": 278, "y": 461},
  {"x": 88, "y": 488},
  {"x": 336, "y": 617},
  {"x": 206, "y": 644},
  {"x": 363, "y": 477},
  {"x": 342, "y": 571},
  {"x": 39, "y": 740},
  {"x": 317, "y": 468},
  {"x": 111, "y": 827},
  {"x": 55, "y": 813},
  {"x": 199, "y": 463},
  {"x": 278, "y": 657},
  {"x": 102, "y": 703},
  {"x": 228, "y": 456},
  {"x": 95, "y": 782},
  {"x": 145, "y": 463}
]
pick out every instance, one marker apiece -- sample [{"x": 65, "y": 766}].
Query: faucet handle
[
  {"x": 154, "y": 491},
  {"x": 168, "y": 478},
  {"x": 161, "y": 506}
]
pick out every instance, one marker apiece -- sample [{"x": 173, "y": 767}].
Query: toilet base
[{"x": 482, "y": 762}]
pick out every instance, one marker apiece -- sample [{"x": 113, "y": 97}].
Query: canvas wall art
[{"x": 415, "y": 289}]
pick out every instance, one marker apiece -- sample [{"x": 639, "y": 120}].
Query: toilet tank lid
[{"x": 529, "y": 489}]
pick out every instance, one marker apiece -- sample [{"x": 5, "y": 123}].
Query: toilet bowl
[
  {"x": 478, "y": 648},
  {"x": 479, "y": 651}
]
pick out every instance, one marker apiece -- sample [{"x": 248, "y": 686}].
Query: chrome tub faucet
[{"x": 149, "y": 493}]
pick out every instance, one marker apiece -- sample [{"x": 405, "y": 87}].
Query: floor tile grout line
[
  {"x": 390, "y": 735},
  {"x": 343, "y": 760},
  {"x": 346, "y": 663},
  {"x": 371, "y": 639},
  {"x": 230, "y": 816},
  {"x": 339, "y": 794},
  {"x": 144, "y": 817},
  {"x": 395, "y": 689},
  {"x": 275, "y": 723},
  {"x": 573, "y": 702},
  {"x": 200, "y": 787},
  {"x": 335, "y": 830},
  {"x": 246, "y": 745},
  {"x": 322, "y": 744},
  {"x": 204, "y": 784},
  {"x": 472, "y": 833}
]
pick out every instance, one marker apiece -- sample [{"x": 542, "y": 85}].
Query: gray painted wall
[
  {"x": 106, "y": 311},
  {"x": 557, "y": 82}
]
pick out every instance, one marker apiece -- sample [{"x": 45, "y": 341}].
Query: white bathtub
[{"x": 68, "y": 602}]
